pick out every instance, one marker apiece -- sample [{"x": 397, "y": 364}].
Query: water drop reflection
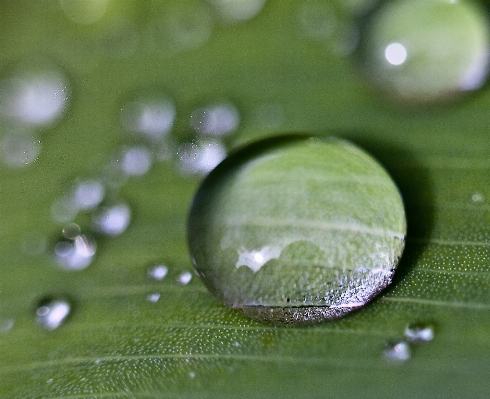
[
  {"x": 200, "y": 156},
  {"x": 216, "y": 119},
  {"x": 398, "y": 352},
  {"x": 230, "y": 11},
  {"x": 157, "y": 272},
  {"x": 51, "y": 313},
  {"x": 76, "y": 252},
  {"x": 112, "y": 220}
]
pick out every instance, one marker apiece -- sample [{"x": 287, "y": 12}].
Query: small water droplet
[
  {"x": 153, "y": 297},
  {"x": 192, "y": 374},
  {"x": 216, "y": 119},
  {"x": 87, "y": 194},
  {"x": 150, "y": 116},
  {"x": 77, "y": 251},
  {"x": 34, "y": 94},
  {"x": 84, "y": 11},
  {"x": 200, "y": 156},
  {"x": 419, "y": 333},
  {"x": 422, "y": 51},
  {"x": 49, "y": 381},
  {"x": 52, "y": 312},
  {"x": 477, "y": 197},
  {"x": 136, "y": 161},
  {"x": 97, "y": 362},
  {"x": 398, "y": 352},
  {"x": 184, "y": 278},
  {"x": 19, "y": 149},
  {"x": 6, "y": 325},
  {"x": 232, "y": 11},
  {"x": 113, "y": 219},
  {"x": 297, "y": 230},
  {"x": 157, "y": 272}
]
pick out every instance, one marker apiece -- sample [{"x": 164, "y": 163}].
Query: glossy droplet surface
[
  {"x": 425, "y": 50},
  {"x": 52, "y": 312},
  {"x": 297, "y": 230}
]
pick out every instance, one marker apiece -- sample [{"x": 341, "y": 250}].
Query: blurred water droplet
[
  {"x": 184, "y": 278},
  {"x": 150, "y": 116},
  {"x": 19, "y": 149},
  {"x": 52, "y": 312},
  {"x": 230, "y": 11},
  {"x": 6, "y": 325},
  {"x": 87, "y": 194},
  {"x": 181, "y": 27},
  {"x": 477, "y": 197},
  {"x": 200, "y": 156},
  {"x": 157, "y": 272},
  {"x": 192, "y": 374},
  {"x": 77, "y": 251},
  {"x": 84, "y": 11},
  {"x": 421, "y": 50},
  {"x": 97, "y": 362},
  {"x": 153, "y": 297},
  {"x": 419, "y": 333},
  {"x": 136, "y": 161},
  {"x": 216, "y": 119},
  {"x": 113, "y": 219},
  {"x": 297, "y": 230},
  {"x": 35, "y": 93},
  {"x": 398, "y": 352},
  {"x": 49, "y": 381}
]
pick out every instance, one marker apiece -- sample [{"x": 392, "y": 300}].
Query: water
[
  {"x": 136, "y": 161},
  {"x": 419, "y": 333},
  {"x": 184, "y": 278},
  {"x": 216, "y": 119},
  {"x": 113, "y": 219},
  {"x": 154, "y": 297},
  {"x": 422, "y": 51},
  {"x": 157, "y": 272},
  {"x": 297, "y": 230},
  {"x": 6, "y": 325},
  {"x": 76, "y": 251},
  {"x": 200, "y": 156},
  {"x": 398, "y": 352},
  {"x": 52, "y": 312},
  {"x": 19, "y": 149},
  {"x": 233, "y": 11}
]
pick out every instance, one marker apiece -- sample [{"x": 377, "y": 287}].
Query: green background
[{"x": 116, "y": 344}]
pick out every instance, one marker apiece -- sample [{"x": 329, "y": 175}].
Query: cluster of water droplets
[{"x": 400, "y": 351}]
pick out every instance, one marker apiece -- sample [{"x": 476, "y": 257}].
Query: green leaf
[{"x": 117, "y": 344}]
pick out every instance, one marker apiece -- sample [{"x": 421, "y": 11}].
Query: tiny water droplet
[
  {"x": 398, "y": 352},
  {"x": 216, "y": 119},
  {"x": 477, "y": 197},
  {"x": 49, "y": 381},
  {"x": 157, "y": 272},
  {"x": 113, "y": 219},
  {"x": 184, "y": 278},
  {"x": 153, "y": 297},
  {"x": 97, "y": 362},
  {"x": 87, "y": 194},
  {"x": 200, "y": 156},
  {"x": 422, "y": 51},
  {"x": 19, "y": 149},
  {"x": 150, "y": 116},
  {"x": 52, "y": 312},
  {"x": 6, "y": 325},
  {"x": 77, "y": 251},
  {"x": 419, "y": 333},
  {"x": 136, "y": 161},
  {"x": 297, "y": 230},
  {"x": 192, "y": 374},
  {"x": 232, "y": 11}
]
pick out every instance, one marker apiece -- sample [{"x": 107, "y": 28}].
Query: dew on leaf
[
  {"x": 422, "y": 51},
  {"x": 477, "y": 197},
  {"x": 113, "y": 219},
  {"x": 200, "y": 156},
  {"x": 52, "y": 312},
  {"x": 398, "y": 352},
  {"x": 232, "y": 11},
  {"x": 217, "y": 119},
  {"x": 297, "y": 230},
  {"x": 76, "y": 251},
  {"x": 6, "y": 325},
  {"x": 154, "y": 297},
  {"x": 87, "y": 194},
  {"x": 419, "y": 333},
  {"x": 184, "y": 278},
  {"x": 136, "y": 161},
  {"x": 19, "y": 149},
  {"x": 157, "y": 272}
]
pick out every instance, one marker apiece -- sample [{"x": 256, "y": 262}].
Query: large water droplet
[
  {"x": 422, "y": 50},
  {"x": 297, "y": 230},
  {"x": 52, "y": 312}
]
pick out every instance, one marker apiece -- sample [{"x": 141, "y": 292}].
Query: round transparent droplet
[
  {"x": 84, "y": 11},
  {"x": 52, "y": 312},
  {"x": 157, "y": 272},
  {"x": 398, "y": 352},
  {"x": 478, "y": 197},
  {"x": 232, "y": 11},
  {"x": 6, "y": 325},
  {"x": 87, "y": 194},
  {"x": 136, "y": 161},
  {"x": 200, "y": 156},
  {"x": 154, "y": 297},
  {"x": 419, "y": 333},
  {"x": 149, "y": 116},
  {"x": 19, "y": 149},
  {"x": 297, "y": 230},
  {"x": 419, "y": 50},
  {"x": 35, "y": 93},
  {"x": 112, "y": 219},
  {"x": 76, "y": 251},
  {"x": 215, "y": 119}
]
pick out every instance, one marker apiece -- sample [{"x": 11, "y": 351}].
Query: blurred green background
[{"x": 275, "y": 66}]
